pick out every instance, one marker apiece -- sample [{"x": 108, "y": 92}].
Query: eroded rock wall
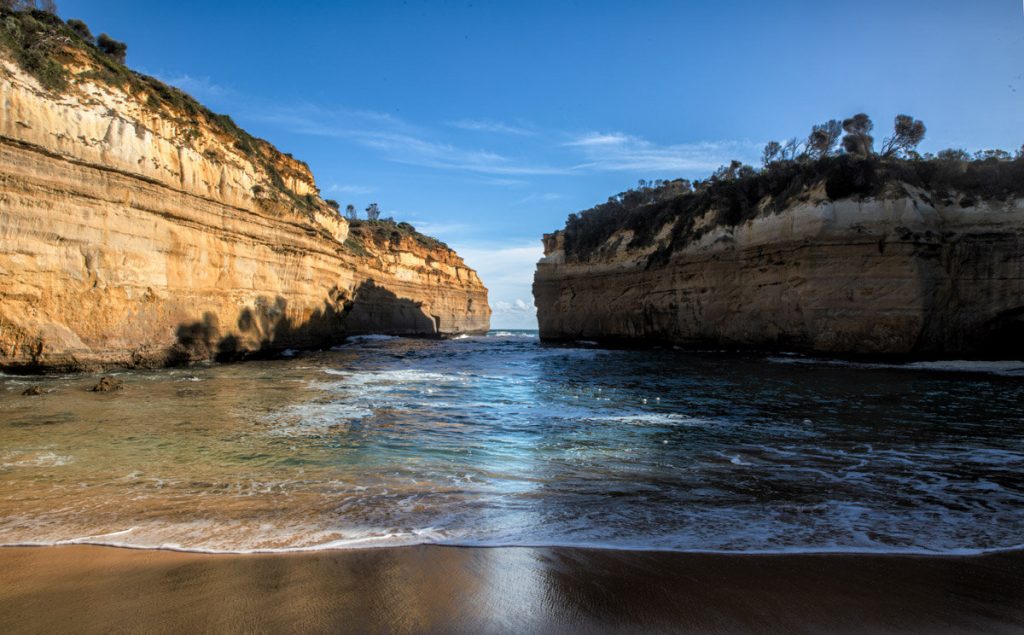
[
  {"x": 128, "y": 239},
  {"x": 895, "y": 276}
]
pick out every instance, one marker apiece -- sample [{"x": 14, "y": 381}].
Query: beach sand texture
[{"x": 434, "y": 589}]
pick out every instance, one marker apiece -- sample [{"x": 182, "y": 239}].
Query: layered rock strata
[
  {"x": 136, "y": 233},
  {"x": 909, "y": 274}
]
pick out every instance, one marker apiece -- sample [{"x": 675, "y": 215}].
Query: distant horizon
[{"x": 487, "y": 125}]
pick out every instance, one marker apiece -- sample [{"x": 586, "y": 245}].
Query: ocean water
[{"x": 501, "y": 440}]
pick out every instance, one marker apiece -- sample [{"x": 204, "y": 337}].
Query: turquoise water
[{"x": 501, "y": 440}]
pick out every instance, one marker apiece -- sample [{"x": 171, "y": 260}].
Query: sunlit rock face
[
  {"x": 901, "y": 275},
  {"x": 131, "y": 234}
]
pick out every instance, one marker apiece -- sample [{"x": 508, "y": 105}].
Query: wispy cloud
[
  {"x": 497, "y": 127},
  {"x": 620, "y": 152},
  {"x": 399, "y": 142},
  {"x": 444, "y": 231},
  {"x": 502, "y": 182},
  {"x": 539, "y": 197},
  {"x": 334, "y": 188},
  {"x": 393, "y": 139},
  {"x": 598, "y": 139}
]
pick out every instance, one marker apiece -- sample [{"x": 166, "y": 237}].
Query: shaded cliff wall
[
  {"x": 903, "y": 275},
  {"x": 134, "y": 235}
]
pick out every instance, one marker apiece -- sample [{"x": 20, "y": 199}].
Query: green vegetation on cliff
[
  {"x": 790, "y": 174},
  {"x": 386, "y": 230},
  {"x": 50, "y": 50}
]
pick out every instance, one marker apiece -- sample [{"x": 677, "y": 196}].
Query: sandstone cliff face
[
  {"x": 902, "y": 275},
  {"x": 135, "y": 234}
]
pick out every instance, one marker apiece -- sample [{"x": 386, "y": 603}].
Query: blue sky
[{"x": 486, "y": 124}]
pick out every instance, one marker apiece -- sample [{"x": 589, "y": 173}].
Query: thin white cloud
[
  {"x": 397, "y": 141},
  {"x": 335, "y": 188},
  {"x": 538, "y": 197},
  {"x": 620, "y": 152},
  {"x": 598, "y": 139},
  {"x": 502, "y": 182},
  {"x": 441, "y": 231},
  {"x": 497, "y": 127}
]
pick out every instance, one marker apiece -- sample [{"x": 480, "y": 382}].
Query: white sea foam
[
  {"x": 652, "y": 419},
  {"x": 315, "y": 418},
  {"x": 392, "y": 377},
  {"x": 17, "y": 458},
  {"x": 522, "y": 334},
  {"x": 434, "y": 536}
]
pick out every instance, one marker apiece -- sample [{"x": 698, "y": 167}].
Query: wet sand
[{"x": 520, "y": 590}]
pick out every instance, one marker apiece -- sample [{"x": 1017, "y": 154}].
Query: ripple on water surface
[{"x": 501, "y": 440}]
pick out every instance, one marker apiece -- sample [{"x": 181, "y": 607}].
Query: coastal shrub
[
  {"x": 115, "y": 49},
  {"x": 81, "y": 29},
  {"x": 378, "y": 231}
]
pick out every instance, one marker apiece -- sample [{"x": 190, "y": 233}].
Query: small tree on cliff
[
  {"x": 907, "y": 134},
  {"x": 823, "y": 138},
  {"x": 81, "y": 29},
  {"x": 350, "y": 212},
  {"x": 791, "y": 150},
  {"x": 772, "y": 153},
  {"x": 858, "y": 139},
  {"x": 113, "y": 48},
  {"x": 373, "y": 212}
]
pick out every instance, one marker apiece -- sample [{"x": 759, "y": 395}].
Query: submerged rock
[
  {"x": 108, "y": 384},
  {"x": 32, "y": 391}
]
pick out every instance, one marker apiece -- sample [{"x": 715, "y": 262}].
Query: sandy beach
[{"x": 504, "y": 590}]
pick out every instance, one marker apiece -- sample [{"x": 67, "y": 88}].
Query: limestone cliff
[
  {"x": 138, "y": 228},
  {"x": 901, "y": 270}
]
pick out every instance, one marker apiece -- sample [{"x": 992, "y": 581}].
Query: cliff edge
[
  {"x": 139, "y": 228},
  {"x": 846, "y": 256}
]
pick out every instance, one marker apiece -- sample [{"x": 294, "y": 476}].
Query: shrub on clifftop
[{"x": 113, "y": 48}]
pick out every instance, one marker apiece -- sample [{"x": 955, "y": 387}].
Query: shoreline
[
  {"x": 367, "y": 545},
  {"x": 431, "y": 588}
]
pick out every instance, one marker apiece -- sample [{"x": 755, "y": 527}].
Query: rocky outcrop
[
  {"x": 908, "y": 273},
  {"x": 141, "y": 230}
]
